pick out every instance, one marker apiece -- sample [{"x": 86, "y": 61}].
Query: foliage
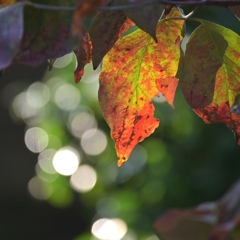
[{"x": 145, "y": 63}]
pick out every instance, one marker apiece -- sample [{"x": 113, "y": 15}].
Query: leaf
[
  {"x": 235, "y": 10},
  {"x": 84, "y": 55},
  {"x": 210, "y": 76},
  {"x": 105, "y": 30},
  {"x": 11, "y": 31},
  {"x": 145, "y": 17},
  {"x": 218, "y": 220},
  {"x": 134, "y": 70},
  {"x": 84, "y": 9},
  {"x": 184, "y": 224},
  {"x": 47, "y": 33}
]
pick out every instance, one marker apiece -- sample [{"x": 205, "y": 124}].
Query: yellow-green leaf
[
  {"x": 134, "y": 71},
  {"x": 210, "y": 76}
]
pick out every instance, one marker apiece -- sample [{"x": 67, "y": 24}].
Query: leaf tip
[{"x": 121, "y": 161}]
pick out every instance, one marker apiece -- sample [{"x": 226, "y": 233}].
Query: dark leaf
[
  {"x": 105, "y": 30},
  {"x": 84, "y": 55},
  {"x": 11, "y": 32},
  {"x": 47, "y": 33},
  {"x": 145, "y": 17}
]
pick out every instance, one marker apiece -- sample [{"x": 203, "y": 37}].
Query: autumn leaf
[
  {"x": 134, "y": 71},
  {"x": 84, "y": 55},
  {"x": 11, "y": 32},
  {"x": 106, "y": 29},
  {"x": 47, "y": 33},
  {"x": 210, "y": 76}
]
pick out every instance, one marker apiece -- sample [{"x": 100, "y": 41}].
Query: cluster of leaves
[{"x": 136, "y": 68}]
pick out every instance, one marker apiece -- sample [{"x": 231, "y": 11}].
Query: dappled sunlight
[
  {"x": 66, "y": 161},
  {"x": 109, "y": 229},
  {"x": 84, "y": 179}
]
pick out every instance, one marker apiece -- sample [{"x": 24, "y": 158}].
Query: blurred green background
[{"x": 59, "y": 177}]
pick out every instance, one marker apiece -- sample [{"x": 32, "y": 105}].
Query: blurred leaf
[
  {"x": 209, "y": 75},
  {"x": 47, "y": 33},
  {"x": 186, "y": 225},
  {"x": 145, "y": 17},
  {"x": 129, "y": 82},
  {"x": 105, "y": 30},
  {"x": 214, "y": 221},
  {"x": 84, "y": 55},
  {"x": 11, "y": 31}
]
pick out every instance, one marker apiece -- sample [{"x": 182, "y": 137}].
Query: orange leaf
[
  {"x": 210, "y": 76},
  {"x": 134, "y": 70}
]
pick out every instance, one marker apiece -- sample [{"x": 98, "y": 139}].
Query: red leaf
[{"x": 84, "y": 55}]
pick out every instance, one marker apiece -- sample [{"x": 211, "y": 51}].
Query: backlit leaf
[
  {"x": 210, "y": 76},
  {"x": 134, "y": 70},
  {"x": 11, "y": 31},
  {"x": 105, "y": 30}
]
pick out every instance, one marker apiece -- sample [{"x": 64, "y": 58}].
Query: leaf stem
[{"x": 50, "y": 7}]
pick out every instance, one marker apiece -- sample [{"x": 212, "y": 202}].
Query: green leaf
[
  {"x": 209, "y": 74},
  {"x": 11, "y": 31}
]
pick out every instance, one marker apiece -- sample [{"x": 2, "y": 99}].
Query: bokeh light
[
  {"x": 45, "y": 161},
  {"x": 93, "y": 142},
  {"x": 37, "y": 189},
  {"x": 36, "y": 139},
  {"x": 66, "y": 161},
  {"x": 63, "y": 61},
  {"x": 81, "y": 122},
  {"x": 84, "y": 179},
  {"x": 67, "y": 97},
  {"x": 109, "y": 229},
  {"x": 38, "y": 95}
]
